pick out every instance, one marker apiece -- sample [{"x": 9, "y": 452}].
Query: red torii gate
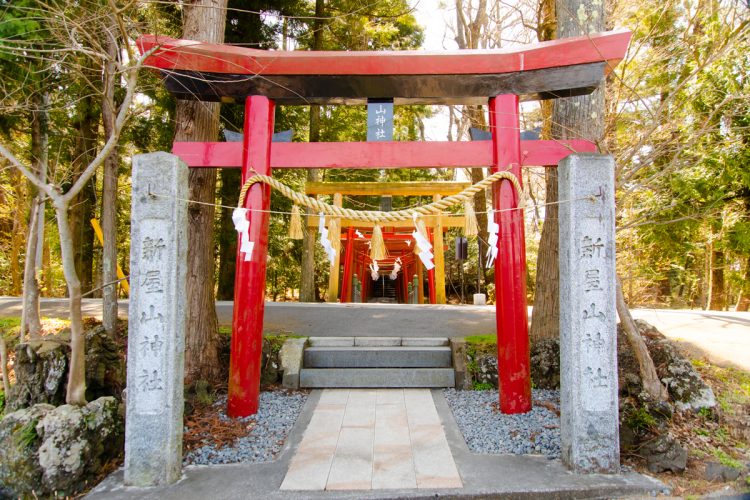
[{"x": 216, "y": 72}]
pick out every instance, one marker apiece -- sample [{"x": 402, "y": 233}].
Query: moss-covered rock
[
  {"x": 19, "y": 451},
  {"x": 46, "y": 449},
  {"x": 545, "y": 363},
  {"x": 41, "y": 369},
  {"x": 105, "y": 365}
]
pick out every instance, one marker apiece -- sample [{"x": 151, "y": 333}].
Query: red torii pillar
[
  {"x": 250, "y": 276},
  {"x": 514, "y": 377}
]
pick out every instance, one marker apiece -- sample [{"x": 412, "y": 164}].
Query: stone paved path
[{"x": 361, "y": 439}]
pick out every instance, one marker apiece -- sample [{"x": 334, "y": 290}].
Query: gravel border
[
  {"x": 488, "y": 431},
  {"x": 277, "y": 413}
]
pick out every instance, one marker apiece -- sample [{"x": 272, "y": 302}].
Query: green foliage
[
  {"x": 726, "y": 460},
  {"x": 640, "y": 419},
  {"x": 481, "y": 339},
  {"x": 26, "y": 436},
  {"x": 481, "y": 386}
]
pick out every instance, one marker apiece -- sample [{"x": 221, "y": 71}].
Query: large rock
[
  {"x": 687, "y": 390},
  {"x": 664, "y": 453},
  {"x": 44, "y": 449},
  {"x": 20, "y": 473},
  {"x": 105, "y": 365},
  {"x": 545, "y": 363},
  {"x": 41, "y": 369}
]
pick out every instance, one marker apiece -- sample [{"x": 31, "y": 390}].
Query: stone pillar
[
  {"x": 588, "y": 334},
  {"x": 156, "y": 320}
]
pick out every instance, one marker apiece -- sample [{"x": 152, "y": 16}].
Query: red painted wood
[
  {"x": 250, "y": 278},
  {"x": 346, "y": 281},
  {"x": 510, "y": 267},
  {"x": 431, "y": 275},
  {"x": 174, "y": 54},
  {"x": 444, "y": 154}
]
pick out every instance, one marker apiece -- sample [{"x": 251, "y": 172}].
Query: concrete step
[
  {"x": 378, "y": 357},
  {"x": 371, "y": 341},
  {"x": 316, "y": 378}
]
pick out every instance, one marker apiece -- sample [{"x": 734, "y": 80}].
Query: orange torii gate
[
  {"x": 358, "y": 264},
  {"x": 497, "y": 78}
]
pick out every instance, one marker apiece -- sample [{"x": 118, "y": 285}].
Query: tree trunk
[
  {"x": 230, "y": 187},
  {"x": 307, "y": 289},
  {"x": 743, "y": 301},
  {"x": 580, "y": 117},
  {"x": 4, "y": 367},
  {"x": 82, "y": 206},
  {"x": 203, "y": 20},
  {"x": 17, "y": 235},
  {"x": 32, "y": 322},
  {"x": 109, "y": 197},
  {"x": 76, "y": 393},
  {"x": 717, "y": 297},
  {"x": 651, "y": 383}
]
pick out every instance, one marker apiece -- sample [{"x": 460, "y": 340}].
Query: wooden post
[
  {"x": 420, "y": 282},
  {"x": 514, "y": 378},
  {"x": 431, "y": 272},
  {"x": 439, "y": 249},
  {"x": 333, "y": 278},
  {"x": 346, "y": 282},
  {"x": 250, "y": 278}
]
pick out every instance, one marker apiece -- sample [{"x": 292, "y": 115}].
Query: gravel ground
[
  {"x": 486, "y": 430},
  {"x": 276, "y": 415}
]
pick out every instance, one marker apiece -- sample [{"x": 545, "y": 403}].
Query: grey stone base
[{"x": 378, "y": 357}]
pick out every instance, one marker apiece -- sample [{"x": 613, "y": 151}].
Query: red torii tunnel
[{"x": 498, "y": 78}]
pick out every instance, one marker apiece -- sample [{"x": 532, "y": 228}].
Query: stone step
[
  {"x": 317, "y": 378},
  {"x": 378, "y": 341},
  {"x": 378, "y": 357}
]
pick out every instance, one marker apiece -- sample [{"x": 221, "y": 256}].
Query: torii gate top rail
[{"x": 558, "y": 68}]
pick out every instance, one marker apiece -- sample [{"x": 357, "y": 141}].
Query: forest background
[{"x": 677, "y": 121}]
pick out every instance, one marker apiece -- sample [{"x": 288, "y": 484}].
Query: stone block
[
  {"x": 378, "y": 357},
  {"x": 376, "y": 377},
  {"x": 458, "y": 353},
  {"x": 156, "y": 320},
  {"x": 424, "y": 342},
  {"x": 377, "y": 341},
  {"x": 480, "y": 299},
  {"x": 588, "y": 338},
  {"x": 331, "y": 341},
  {"x": 291, "y": 356}
]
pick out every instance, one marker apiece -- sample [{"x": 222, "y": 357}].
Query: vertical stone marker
[
  {"x": 588, "y": 334},
  {"x": 156, "y": 320}
]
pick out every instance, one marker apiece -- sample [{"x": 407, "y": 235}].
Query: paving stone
[{"x": 352, "y": 464}]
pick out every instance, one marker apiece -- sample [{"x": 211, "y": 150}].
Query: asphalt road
[{"x": 720, "y": 337}]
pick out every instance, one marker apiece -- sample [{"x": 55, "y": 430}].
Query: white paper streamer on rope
[
  {"x": 492, "y": 230},
  {"x": 324, "y": 241},
  {"x": 358, "y": 234},
  {"x": 374, "y": 274},
  {"x": 242, "y": 225},
  {"x": 424, "y": 246},
  {"x": 396, "y": 269}
]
